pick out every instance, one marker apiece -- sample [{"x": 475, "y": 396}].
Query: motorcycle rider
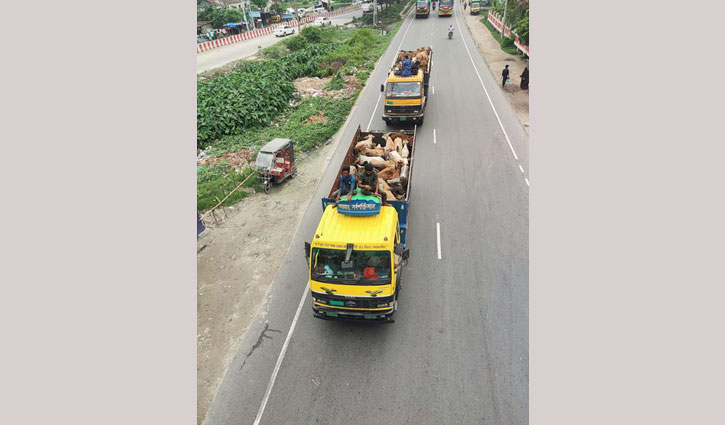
[{"x": 450, "y": 31}]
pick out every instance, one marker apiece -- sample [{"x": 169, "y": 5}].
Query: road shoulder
[{"x": 496, "y": 59}]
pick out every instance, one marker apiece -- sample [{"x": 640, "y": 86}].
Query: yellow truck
[
  {"x": 359, "y": 248},
  {"x": 475, "y": 7},
  {"x": 422, "y": 9},
  {"x": 406, "y": 89}
]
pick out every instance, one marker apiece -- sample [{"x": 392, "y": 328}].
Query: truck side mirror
[
  {"x": 402, "y": 251},
  {"x": 307, "y": 252},
  {"x": 406, "y": 254},
  {"x": 382, "y": 87}
]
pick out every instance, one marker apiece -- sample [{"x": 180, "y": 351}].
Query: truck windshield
[
  {"x": 446, "y": 3},
  {"x": 367, "y": 267},
  {"x": 423, "y": 3},
  {"x": 264, "y": 159},
  {"x": 407, "y": 89}
]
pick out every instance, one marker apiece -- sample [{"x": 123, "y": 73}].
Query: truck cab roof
[
  {"x": 392, "y": 78},
  {"x": 337, "y": 230}
]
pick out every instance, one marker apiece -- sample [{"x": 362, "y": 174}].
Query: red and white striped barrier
[
  {"x": 497, "y": 23},
  {"x": 210, "y": 45}
]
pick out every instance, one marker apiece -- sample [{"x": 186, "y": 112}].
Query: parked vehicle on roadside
[
  {"x": 368, "y": 7},
  {"x": 322, "y": 21},
  {"x": 276, "y": 162},
  {"x": 283, "y": 30}
]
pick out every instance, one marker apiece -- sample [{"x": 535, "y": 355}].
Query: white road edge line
[
  {"x": 434, "y": 136},
  {"x": 527, "y": 181},
  {"x": 432, "y": 89},
  {"x": 281, "y": 356},
  {"x": 486, "y": 91},
  {"x": 438, "y": 240},
  {"x": 521, "y": 168}
]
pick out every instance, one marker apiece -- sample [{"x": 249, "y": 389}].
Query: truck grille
[
  {"x": 352, "y": 302},
  {"x": 408, "y": 110}
]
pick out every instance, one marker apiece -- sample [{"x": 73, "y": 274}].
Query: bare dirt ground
[
  {"x": 236, "y": 262},
  {"x": 497, "y": 59}
]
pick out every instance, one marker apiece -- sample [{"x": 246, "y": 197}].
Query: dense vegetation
[
  {"x": 253, "y": 95},
  {"x": 247, "y": 107}
]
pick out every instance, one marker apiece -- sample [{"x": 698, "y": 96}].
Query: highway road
[
  {"x": 458, "y": 351},
  {"x": 222, "y": 55}
]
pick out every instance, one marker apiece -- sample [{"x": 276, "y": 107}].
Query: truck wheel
[
  {"x": 420, "y": 122},
  {"x": 267, "y": 186}
]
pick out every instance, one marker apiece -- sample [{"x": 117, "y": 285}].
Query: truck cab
[
  {"x": 475, "y": 8},
  {"x": 406, "y": 95},
  {"x": 355, "y": 264},
  {"x": 422, "y": 9}
]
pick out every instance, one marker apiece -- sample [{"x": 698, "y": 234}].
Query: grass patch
[{"x": 216, "y": 181}]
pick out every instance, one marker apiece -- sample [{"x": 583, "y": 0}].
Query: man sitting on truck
[
  {"x": 368, "y": 183},
  {"x": 347, "y": 184}
]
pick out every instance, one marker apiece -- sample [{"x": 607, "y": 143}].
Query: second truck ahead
[
  {"x": 406, "y": 89},
  {"x": 422, "y": 9}
]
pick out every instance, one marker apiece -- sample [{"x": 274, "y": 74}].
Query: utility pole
[
  {"x": 244, "y": 14},
  {"x": 375, "y": 12},
  {"x": 503, "y": 23}
]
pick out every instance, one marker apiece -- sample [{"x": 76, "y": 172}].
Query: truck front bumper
[
  {"x": 377, "y": 316},
  {"x": 402, "y": 118}
]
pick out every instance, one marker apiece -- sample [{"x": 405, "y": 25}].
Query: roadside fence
[
  {"x": 495, "y": 20},
  {"x": 210, "y": 45}
]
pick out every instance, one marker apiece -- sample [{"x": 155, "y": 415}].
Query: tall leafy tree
[{"x": 259, "y": 4}]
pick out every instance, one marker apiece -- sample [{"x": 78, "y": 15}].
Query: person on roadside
[
  {"x": 505, "y": 75},
  {"x": 525, "y": 79},
  {"x": 347, "y": 184},
  {"x": 368, "y": 183},
  {"x": 464, "y": 5}
]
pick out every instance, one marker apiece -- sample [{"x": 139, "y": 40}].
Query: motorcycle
[
  {"x": 450, "y": 34},
  {"x": 434, "y": 5}
]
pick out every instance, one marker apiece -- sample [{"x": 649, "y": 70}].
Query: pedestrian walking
[
  {"x": 464, "y": 5},
  {"x": 505, "y": 75},
  {"x": 525, "y": 79}
]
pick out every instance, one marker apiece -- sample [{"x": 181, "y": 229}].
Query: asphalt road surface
[
  {"x": 222, "y": 55},
  {"x": 458, "y": 351}
]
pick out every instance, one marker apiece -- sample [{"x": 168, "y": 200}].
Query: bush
[
  {"x": 336, "y": 83},
  {"x": 297, "y": 43},
  {"x": 312, "y": 34}
]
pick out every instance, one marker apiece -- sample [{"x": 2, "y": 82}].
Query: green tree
[
  {"x": 522, "y": 28},
  {"x": 232, "y": 15},
  {"x": 259, "y": 4},
  {"x": 218, "y": 19},
  {"x": 206, "y": 15}
]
